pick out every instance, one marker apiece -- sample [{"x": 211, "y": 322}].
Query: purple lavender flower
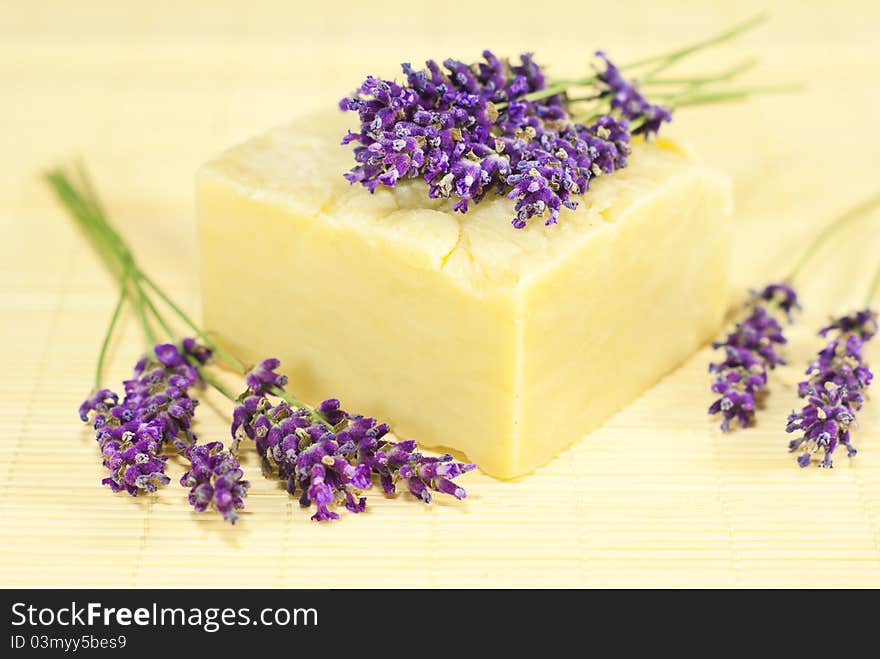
[
  {"x": 100, "y": 402},
  {"x": 423, "y": 474},
  {"x": 446, "y": 128},
  {"x": 861, "y": 323},
  {"x": 750, "y": 352},
  {"x": 262, "y": 377},
  {"x": 631, "y": 103},
  {"x": 156, "y": 410},
  {"x": 202, "y": 354},
  {"x": 215, "y": 479},
  {"x": 782, "y": 296},
  {"x": 834, "y": 390},
  {"x": 329, "y": 456}
]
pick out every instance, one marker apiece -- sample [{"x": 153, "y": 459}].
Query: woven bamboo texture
[{"x": 656, "y": 497}]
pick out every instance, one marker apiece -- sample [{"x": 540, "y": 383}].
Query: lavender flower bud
[
  {"x": 627, "y": 98},
  {"x": 741, "y": 378},
  {"x": 262, "y": 377}
]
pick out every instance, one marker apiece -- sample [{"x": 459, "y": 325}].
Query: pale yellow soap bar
[{"x": 506, "y": 345}]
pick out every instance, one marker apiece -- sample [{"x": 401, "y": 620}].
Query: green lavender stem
[
  {"x": 666, "y": 60},
  {"x": 145, "y": 322},
  {"x": 873, "y": 289},
  {"x": 695, "y": 97},
  {"x": 850, "y": 216},
  {"x": 223, "y": 354},
  {"x": 81, "y": 213},
  {"x": 228, "y": 358},
  {"x": 87, "y": 212},
  {"x": 99, "y": 369},
  {"x": 694, "y": 92},
  {"x": 558, "y": 87},
  {"x": 724, "y": 76},
  {"x": 155, "y": 312},
  {"x": 110, "y": 237},
  {"x": 89, "y": 215},
  {"x": 172, "y": 336},
  {"x": 86, "y": 209},
  {"x": 211, "y": 380},
  {"x": 232, "y": 361},
  {"x": 594, "y": 112}
]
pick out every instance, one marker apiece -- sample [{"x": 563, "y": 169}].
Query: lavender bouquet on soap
[
  {"x": 497, "y": 126},
  {"x": 328, "y": 456}
]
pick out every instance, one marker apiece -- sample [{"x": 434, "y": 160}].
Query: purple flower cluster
[
  {"x": 626, "y": 97},
  {"x": 750, "y": 352},
  {"x": 262, "y": 378},
  {"x": 834, "y": 389},
  {"x": 467, "y": 130},
  {"x": 780, "y": 296},
  {"x": 156, "y": 410},
  {"x": 215, "y": 479},
  {"x": 329, "y": 456}
]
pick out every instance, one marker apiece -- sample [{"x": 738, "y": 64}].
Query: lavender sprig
[
  {"x": 330, "y": 456},
  {"x": 834, "y": 390},
  {"x": 750, "y": 352},
  {"x": 157, "y": 410},
  {"x": 839, "y": 375}
]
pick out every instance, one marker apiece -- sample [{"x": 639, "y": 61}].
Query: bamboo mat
[{"x": 656, "y": 497}]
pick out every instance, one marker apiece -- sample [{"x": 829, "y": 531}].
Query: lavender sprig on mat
[
  {"x": 157, "y": 410},
  {"x": 834, "y": 390},
  {"x": 750, "y": 352},
  {"x": 330, "y": 456}
]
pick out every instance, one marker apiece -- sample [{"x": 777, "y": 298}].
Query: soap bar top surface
[{"x": 301, "y": 165}]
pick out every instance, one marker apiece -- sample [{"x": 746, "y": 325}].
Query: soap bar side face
[
  {"x": 634, "y": 301},
  {"x": 363, "y": 318}
]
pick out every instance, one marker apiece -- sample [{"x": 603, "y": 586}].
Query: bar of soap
[{"x": 505, "y": 345}]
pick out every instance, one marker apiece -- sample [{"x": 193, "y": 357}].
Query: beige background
[{"x": 147, "y": 91}]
